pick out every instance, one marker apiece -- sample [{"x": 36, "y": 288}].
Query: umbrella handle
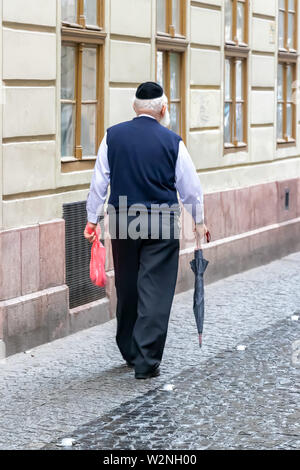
[{"x": 198, "y": 241}]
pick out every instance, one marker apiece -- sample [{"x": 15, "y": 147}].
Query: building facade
[{"x": 69, "y": 69}]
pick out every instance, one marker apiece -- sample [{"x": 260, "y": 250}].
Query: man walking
[{"x": 145, "y": 164}]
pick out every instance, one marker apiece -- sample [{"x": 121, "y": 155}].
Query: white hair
[{"x": 155, "y": 105}]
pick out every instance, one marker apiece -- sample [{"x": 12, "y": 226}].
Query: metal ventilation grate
[{"x": 78, "y": 254}]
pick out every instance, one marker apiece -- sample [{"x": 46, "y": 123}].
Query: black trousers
[{"x": 145, "y": 279}]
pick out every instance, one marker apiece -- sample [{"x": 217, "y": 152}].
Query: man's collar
[{"x": 146, "y": 115}]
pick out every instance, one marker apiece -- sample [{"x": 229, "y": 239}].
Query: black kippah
[{"x": 149, "y": 91}]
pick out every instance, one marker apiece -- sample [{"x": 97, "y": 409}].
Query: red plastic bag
[{"x": 97, "y": 263}]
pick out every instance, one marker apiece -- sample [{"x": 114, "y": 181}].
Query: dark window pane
[
  {"x": 239, "y": 79},
  {"x": 68, "y": 72},
  {"x": 292, "y": 5},
  {"x": 161, "y": 15},
  {"x": 279, "y": 121},
  {"x": 90, "y": 12},
  {"x": 176, "y": 15},
  {"x": 280, "y": 82},
  {"x": 175, "y": 75},
  {"x": 227, "y": 80},
  {"x": 289, "y": 120},
  {"x": 89, "y": 74},
  {"x": 291, "y": 28},
  {"x": 67, "y": 130},
  {"x": 227, "y": 123},
  {"x": 239, "y": 122},
  {"x": 228, "y": 19},
  {"x": 69, "y": 11},
  {"x": 88, "y": 129},
  {"x": 160, "y": 68},
  {"x": 289, "y": 82},
  {"x": 281, "y": 29},
  {"x": 240, "y": 21},
  {"x": 175, "y": 117}
]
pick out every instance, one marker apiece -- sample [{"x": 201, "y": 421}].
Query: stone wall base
[
  {"x": 34, "y": 319},
  {"x": 89, "y": 315},
  {"x": 242, "y": 252},
  {"x": 232, "y": 255},
  {"x": 44, "y": 316}
]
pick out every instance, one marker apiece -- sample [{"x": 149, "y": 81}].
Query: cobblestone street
[{"x": 221, "y": 397}]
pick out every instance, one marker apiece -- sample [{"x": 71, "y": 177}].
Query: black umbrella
[{"x": 199, "y": 265}]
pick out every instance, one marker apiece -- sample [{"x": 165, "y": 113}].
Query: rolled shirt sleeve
[
  {"x": 99, "y": 184},
  {"x": 188, "y": 184}
]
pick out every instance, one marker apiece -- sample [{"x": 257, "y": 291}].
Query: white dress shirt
[{"x": 186, "y": 181}]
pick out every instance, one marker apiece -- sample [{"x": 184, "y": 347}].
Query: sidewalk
[
  {"x": 60, "y": 386},
  {"x": 238, "y": 401}
]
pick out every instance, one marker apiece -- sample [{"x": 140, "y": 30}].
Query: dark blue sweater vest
[{"x": 142, "y": 156}]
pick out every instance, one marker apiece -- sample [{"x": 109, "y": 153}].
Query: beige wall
[
  {"x": 29, "y": 113},
  {"x": 34, "y": 187}
]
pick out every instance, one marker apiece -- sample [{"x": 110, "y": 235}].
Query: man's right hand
[
  {"x": 91, "y": 237},
  {"x": 200, "y": 232}
]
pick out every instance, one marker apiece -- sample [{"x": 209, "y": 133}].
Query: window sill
[
  {"x": 281, "y": 143},
  {"x": 236, "y": 44},
  {"x": 73, "y": 159},
  {"x": 170, "y": 43},
  {"x": 71, "y": 164},
  {"x": 96, "y": 36},
  {"x": 230, "y": 148},
  {"x": 239, "y": 144},
  {"x": 95, "y": 27},
  {"x": 287, "y": 51},
  {"x": 66, "y": 24},
  {"x": 287, "y": 56},
  {"x": 167, "y": 35},
  {"x": 237, "y": 50}
]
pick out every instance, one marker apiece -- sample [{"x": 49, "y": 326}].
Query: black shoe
[
  {"x": 131, "y": 366},
  {"x": 149, "y": 375}
]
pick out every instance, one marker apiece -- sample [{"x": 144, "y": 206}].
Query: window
[
  {"x": 287, "y": 25},
  {"x": 81, "y": 78},
  {"x": 286, "y": 109},
  {"x": 82, "y": 13},
  {"x": 169, "y": 77},
  {"x": 170, "y": 63},
  {"x": 171, "y": 17},
  {"x": 234, "y": 112},
  {"x": 236, "y": 21},
  {"x": 236, "y": 56},
  {"x": 287, "y": 59}
]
